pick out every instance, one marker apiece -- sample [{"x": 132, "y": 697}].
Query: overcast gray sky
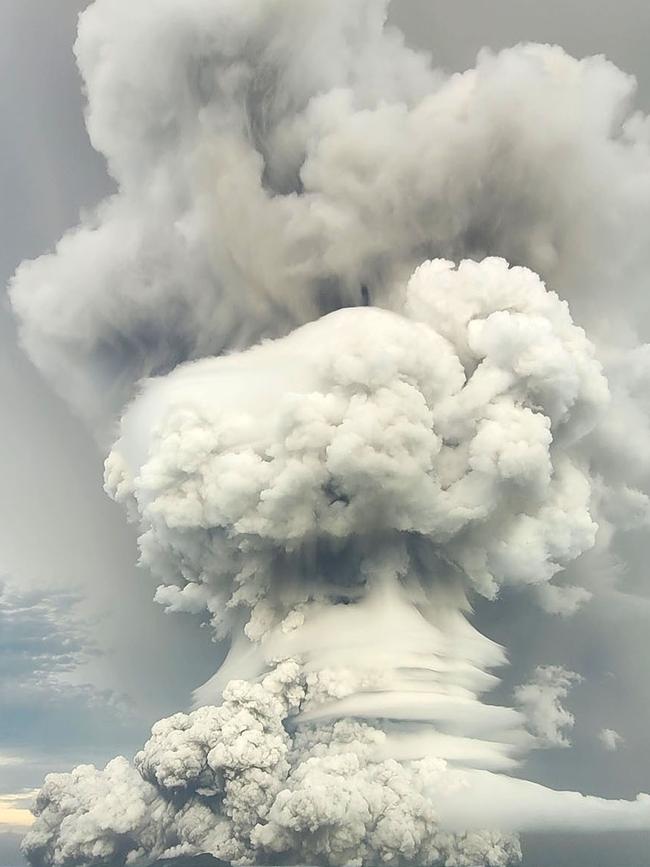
[{"x": 107, "y": 672}]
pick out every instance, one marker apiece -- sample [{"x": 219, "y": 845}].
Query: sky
[{"x": 82, "y": 677}]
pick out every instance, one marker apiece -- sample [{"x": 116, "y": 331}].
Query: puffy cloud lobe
[
  {"x": 96, "y": 817},
  {"x": 350, "y": 812},
  {"x": 540, "y": 702},
  {"x": 207, "y": 747},
  {"x": 453, "y": 430}
]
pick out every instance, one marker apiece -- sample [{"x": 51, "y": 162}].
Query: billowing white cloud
[
  {"x": 610, "y": 739},
  {"x": 331, "y": 498},
  {"x": 540, "y": 699},
  {"x": 451, "y": 436},
  {"x": 369, "y": 465}
]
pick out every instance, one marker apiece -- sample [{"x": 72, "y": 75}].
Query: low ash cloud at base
[{"x": 359, "y": 340}]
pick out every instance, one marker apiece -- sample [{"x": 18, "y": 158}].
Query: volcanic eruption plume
[{"x": 344, "y": 414}]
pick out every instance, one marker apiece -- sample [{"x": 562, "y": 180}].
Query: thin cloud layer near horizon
[{"x": 348, "y": 163}]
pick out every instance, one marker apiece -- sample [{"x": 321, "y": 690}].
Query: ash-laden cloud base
[
  {"x": 329, "y": 500},
  {"x": 233, "y": 782}
]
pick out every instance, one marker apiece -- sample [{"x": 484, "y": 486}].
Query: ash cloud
[
  {"x": 329, "y": 483},
  {"x": 435, "y": 434},
  {"x": 230, "y": 781},
  {"x": 273, "y": 160},
  {"x": 610, "y": 739},
  {"x": 540, "y": 700}
]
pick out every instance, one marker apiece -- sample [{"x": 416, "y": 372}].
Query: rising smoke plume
[{"x": 331, "y": 498}]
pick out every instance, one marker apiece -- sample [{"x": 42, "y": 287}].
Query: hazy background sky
[{"x": 83, "y": 677}]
